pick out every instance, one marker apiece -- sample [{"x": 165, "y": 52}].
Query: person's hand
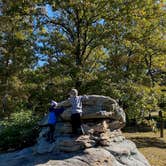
[{"x": 101, "y": 113}]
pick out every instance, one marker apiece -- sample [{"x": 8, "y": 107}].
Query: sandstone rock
[
  {"x": 100, "y": 113},
  {"x": 16, "y": 155},
  {"x": 44, "y": 147},
  {"x": 63, "y": 128},
  {"x": 103, "y": 143},
  {"x": 91, "y": 157},
  {"x": 116, "y": 154},
  {"x": 94, "y": 105},
  {"x": 127, "y": 154},
  {"x": 116, "y": 125},
  {"x": 99, "y": 157},
  {"x": 86, "y": 141},
  {"x": 67, "y": 144}
]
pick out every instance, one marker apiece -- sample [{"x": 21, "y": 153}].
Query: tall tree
[
  {"x": 135, "y": 46},
  {"x": 16, "y": 46},
  {"x": 72, "y": 32}
]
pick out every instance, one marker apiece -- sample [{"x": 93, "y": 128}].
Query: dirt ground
[{"x": 150, "y": 145}]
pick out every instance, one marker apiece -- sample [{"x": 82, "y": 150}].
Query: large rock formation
[{"x": 102, "y": 144}]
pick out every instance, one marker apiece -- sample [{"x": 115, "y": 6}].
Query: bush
[
  {"x": 18, "y": 131},
  {"x": 148, "y": 125}
]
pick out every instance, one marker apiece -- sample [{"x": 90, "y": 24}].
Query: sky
[{"x": 41, "y": 57}]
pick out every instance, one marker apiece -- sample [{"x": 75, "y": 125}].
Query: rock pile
[
  {"x": 102, "y": 144},
  {"x": 102, "y": 122}
]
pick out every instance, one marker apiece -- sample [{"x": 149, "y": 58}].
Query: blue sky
[{"x": 41, "y": 57}]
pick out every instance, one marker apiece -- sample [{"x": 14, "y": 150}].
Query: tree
[
  {"x": 16, "y": 47},
  {"x": 137, "y": 55},
  {"x": 72, "y": 33},
  {"x": 105, "y": 47}
]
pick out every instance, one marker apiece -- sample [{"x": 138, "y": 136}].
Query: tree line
[{"x": 106, "y": 47}]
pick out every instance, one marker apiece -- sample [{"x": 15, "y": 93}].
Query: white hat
[{"x": 54, "y": 103}]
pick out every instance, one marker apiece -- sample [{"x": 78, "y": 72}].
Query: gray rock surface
[{"x": 103, "y": 143}]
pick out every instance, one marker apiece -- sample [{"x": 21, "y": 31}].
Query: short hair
[{"x": 74, "y": 92}]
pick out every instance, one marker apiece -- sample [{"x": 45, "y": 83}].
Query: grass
[{"x": 150, "y": 145}]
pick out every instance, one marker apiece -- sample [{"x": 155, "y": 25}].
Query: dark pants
[
  {"x": 75, "y": 122},
  {"x": 50, "y": 134}
]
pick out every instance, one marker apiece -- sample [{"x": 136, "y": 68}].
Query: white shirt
[{"x": 76, "y": 103}]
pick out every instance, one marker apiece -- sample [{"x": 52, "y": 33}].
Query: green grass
[{"x": 150, "y": 145}]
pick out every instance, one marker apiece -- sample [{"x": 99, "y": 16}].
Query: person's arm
[
  {"x": 65, "y": 103},
  {"x": 84, "y": 97},
  {"x": 58, "y": 111}
]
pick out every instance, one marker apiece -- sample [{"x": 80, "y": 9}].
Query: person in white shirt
[{"x": 76, "y": 113}]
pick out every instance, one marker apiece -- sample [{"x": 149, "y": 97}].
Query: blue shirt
[{"x": 53, "y": 113}]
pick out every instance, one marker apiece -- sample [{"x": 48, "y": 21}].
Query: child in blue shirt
[{"x": 52, "y": 119}]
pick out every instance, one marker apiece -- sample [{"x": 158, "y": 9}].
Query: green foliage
[
  {"x": 149, "y": 123},
  {"x": 164, "y": 115},
  {"x": 108, "y": 47},
  {"x": 18, "y": 131},
  {"x": 17, "y": 52},
  {"x": 137, "y": 100}
]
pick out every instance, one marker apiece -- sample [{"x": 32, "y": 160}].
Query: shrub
[
  {"x": 151, "y": 124},
  {"x": 18, "y": 131}
]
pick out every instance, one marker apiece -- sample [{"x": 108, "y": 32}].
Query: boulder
[{"x": 102, "y": 144}]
